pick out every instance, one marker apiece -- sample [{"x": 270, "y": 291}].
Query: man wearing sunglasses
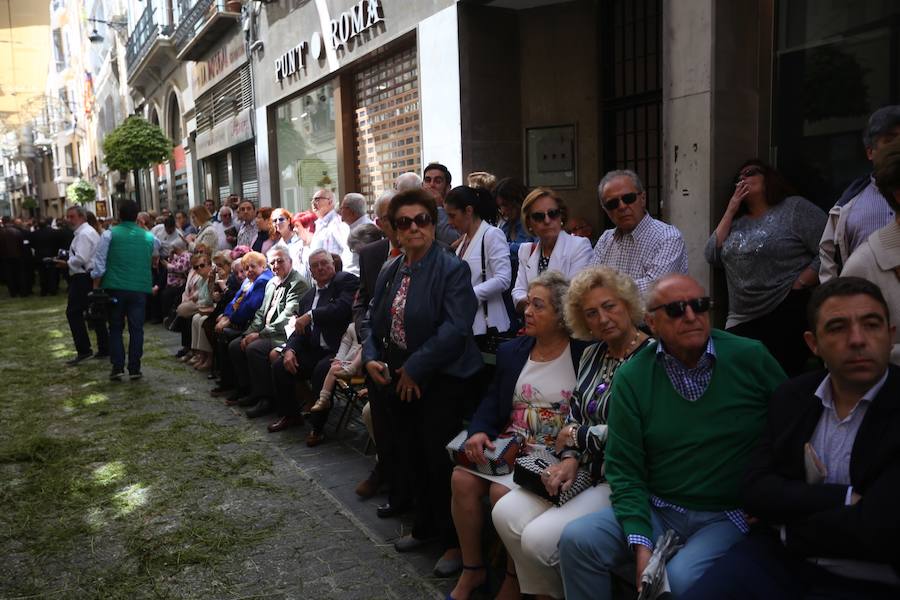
[
  {"x": 640, "y": 246},
  {"x": 688, "y": 411}
]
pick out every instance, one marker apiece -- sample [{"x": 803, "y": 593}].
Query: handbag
[
  {"x": 528, "y": 471},
  {"x": 489, "y": 341},
  {"x": 500, "y": 460}
]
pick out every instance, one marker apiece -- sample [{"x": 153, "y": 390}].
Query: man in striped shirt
[{"x": 861, "y": 210}]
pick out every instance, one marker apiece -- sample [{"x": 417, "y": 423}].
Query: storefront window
[
  {"x": 306, "y": 146},
  {"x": 834, "y": 67}
]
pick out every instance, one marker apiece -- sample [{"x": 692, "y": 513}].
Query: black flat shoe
[
  {"x": 388, "y": 510},
  {"x": 80, "y": 358},
  {"x": 263, "y": 408}
]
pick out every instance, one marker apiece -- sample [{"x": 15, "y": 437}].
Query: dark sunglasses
[
  {"x": 201, "y": 266},
  {"x": 613, "y": 203},
  {"x": 280, "y": 219},
  {"x": 750, "y": 172},
  {"x": 540, "y": 217},
  {"x": 404, "y": 223},
  {"x": 677, "y": 309}
]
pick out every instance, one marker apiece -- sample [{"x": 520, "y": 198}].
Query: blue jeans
[
  {"x": 133, "y": 306},
  {"x": 594, "y": 544}
]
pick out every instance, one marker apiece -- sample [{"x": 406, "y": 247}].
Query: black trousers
[
  {"x": 223, "y": 360},
  {"x": 313, "y": 364},
  {"x": 417, "y": 453},
  {"x": 759, "y": 568},
  {"x": 80, "y": 286},
  {"x": 48, "y": 278},
  {"x": 781, "y": 332},
  {"x": 169, "y": 299},
  {"x": 17, "y": 281},
  {"x": 251, "y": 366}
]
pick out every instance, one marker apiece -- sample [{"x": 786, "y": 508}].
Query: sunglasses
[
  {"x": 678, "y": 308},
  {"x": 404, "y": 223},
  {"x": 280, "y": 219},
  {"x": 201, "y": 266},
  {"x": 613, "y": 203},
  {"x": 750, "y": 172},
  {"x": 539, "y": 217}
]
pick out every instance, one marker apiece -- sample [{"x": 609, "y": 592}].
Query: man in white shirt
[
  {"x": 640, "y": 246},
  {"x": 331, "y": 232},
  {"x": 169, "y": 237},
  {"x": 353, "y": 211},
  {"x": 79, "y": 263},
  {"x": 222, "y": 227}
]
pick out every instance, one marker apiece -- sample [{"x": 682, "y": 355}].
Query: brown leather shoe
[
  {"x": 321, "y": 404},
  {"x": 369, "y": 487},
  {"x": 314, "y": 438},
  {"x": 285, "y": 423}
]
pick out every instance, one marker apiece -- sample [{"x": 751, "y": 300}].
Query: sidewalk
[{"x": 153, "y": 489}]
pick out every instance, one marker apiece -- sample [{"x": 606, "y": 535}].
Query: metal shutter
[
  {"x": 249, "y": 178},
  {"x": 221, "y": 170}
]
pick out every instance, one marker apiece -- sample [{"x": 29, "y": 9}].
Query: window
[
  {"x": 58, "y": 53},
  {"x": 632, "y": 91},
  {"x": 386, "y": 124},
  {"x": 306, "y": 147},
  {"x": 835, "y": 64}
]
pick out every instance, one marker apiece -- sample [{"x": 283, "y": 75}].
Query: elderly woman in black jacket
[{"x": 419, "y": 351}]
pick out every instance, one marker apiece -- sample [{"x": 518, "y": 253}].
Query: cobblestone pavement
[{"x": 153, "y": 489}]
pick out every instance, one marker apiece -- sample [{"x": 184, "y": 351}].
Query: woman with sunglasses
[
  {"x": 419, "y": 351},
  {"x": 483, "y": 246},
  {"x": 768, "y": 243},
  {"x": 544, "y": 214},
  {"x": 281, "y": 230},
  {"x": 605, "y": 306}
]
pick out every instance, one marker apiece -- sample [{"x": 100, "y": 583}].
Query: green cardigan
[{"x": 692, "y": 454}]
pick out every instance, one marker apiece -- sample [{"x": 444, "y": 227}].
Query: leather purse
[
  {"x": 500, "y": 460},
  {"x": 528, "y": 471}
]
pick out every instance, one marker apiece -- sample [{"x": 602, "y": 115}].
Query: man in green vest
[{"x": 122, "y": 267}]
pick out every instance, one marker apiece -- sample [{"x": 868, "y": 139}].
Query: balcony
[
  {"x": 202, "y": 26},
  {"x": 148, "y": 50}
]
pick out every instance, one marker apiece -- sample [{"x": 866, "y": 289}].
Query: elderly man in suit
[
  {"x": 325, "y": 313},
  {"x": 250, "y": 353},
  {"x": 825, "y": 477}
]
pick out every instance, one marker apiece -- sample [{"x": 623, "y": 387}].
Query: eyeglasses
[
  {"x": 540, "y": 217},
  {"x": 750, "y": 172},
  {"x": 201, "y": 266},
  {"x": 280, "y": 219},
  {"x": 404, "y": 223},
  {"x": 677, "y": 309},
  {"x": 613, "y": 203}
]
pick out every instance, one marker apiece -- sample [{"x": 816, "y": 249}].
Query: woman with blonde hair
[
  {"x": 544, "y": 213},
  {"x": 602, "y": 305},
  {"x": 206, "y": 234}
]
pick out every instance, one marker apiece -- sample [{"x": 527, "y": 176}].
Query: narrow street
[{"x": 153, "y": 489}]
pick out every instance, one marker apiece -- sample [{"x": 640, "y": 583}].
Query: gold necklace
[{"x": 634, "y": 341}]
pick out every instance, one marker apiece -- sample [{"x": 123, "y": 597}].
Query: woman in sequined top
[
  {"x": 768, "y": 243},
  {"x": 602, "y": 305}
]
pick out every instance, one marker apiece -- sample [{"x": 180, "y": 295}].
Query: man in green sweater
[
  {"x": 685, "y": 415},
  {"x": 122, "y": 267}
]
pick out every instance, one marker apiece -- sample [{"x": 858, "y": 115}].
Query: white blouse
[{"x": 498, "y": 274}]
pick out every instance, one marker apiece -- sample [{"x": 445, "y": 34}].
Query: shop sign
[
  {"x": 225, "y": 59},
  {"x": 230, "y": 133},
  {"x": 348, "y": 25}
]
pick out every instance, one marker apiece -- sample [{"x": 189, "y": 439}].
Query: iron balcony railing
[
  {"x": 145, "y": 32},
  {"x": 193, "y": 19}
]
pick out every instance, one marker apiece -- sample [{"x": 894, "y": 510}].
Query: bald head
[{"x": 678, "y": 315}]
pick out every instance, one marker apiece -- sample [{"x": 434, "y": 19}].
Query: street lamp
[{"x": 120, "y": 26}]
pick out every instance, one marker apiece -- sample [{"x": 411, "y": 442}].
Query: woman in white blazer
[
  {"x": 544, "y": 214},
  {"x": 485, "y": 249}
]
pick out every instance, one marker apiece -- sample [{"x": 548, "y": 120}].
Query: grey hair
[
  {"x": 384, "y": 199},
  {"x": 320, "y": 251},
  {"x": 280, "y": 248},
  {"x": 407, "y": 181},
  {"x": 557, "y": 284},
  {"x": 79, "y": 210},
  {"x": 638, "y": 185},
  {"x": 355, "y": 202},
  {"x": 362, "y": 235},
  {"x": 880, "y": 122}
]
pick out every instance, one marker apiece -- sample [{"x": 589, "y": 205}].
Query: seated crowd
[{"x": 605, "y": 373}]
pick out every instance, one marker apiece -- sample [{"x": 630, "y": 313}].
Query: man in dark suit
[
  {"x": 372, "y": 258},
  {"x": 826, "y": 476},
  {"x": 325, "y": 313}
]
